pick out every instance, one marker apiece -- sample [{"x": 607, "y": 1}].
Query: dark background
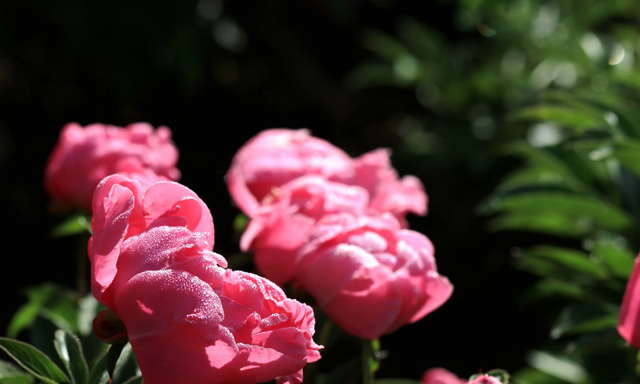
[{"x": 217, "y": 73}]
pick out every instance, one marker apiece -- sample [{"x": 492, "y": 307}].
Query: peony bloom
[
  {"x": 283, "y": 221},
  {"x": 440, "y": 376},
  {"x": 84, "y": 156},
  {"x": 369, "y": 275},
  {"x": 373, "y": 172},
  {"x": 276, "y": 156},
  {"x": 189, "y": 320},
  {"x": 629, "y": 322}
]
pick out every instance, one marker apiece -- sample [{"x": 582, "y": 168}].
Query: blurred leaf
[
  {"x": 58, "y": 303},
  {"x": 396, "y": 381},
  {"x": 544, "y": 222},
  {"x": 574, "y": 118},
  {"x": 88, "y": 309},
  {"x": 575, "y": 206},
  {"x": 628, "y": 154},
  {"x": 619, "y": 261},
  {"x": 576, "y": 260},
  {"x": 342, "y": 373},
  {"x": 557, "y": 366},
  {"x": 580, "y": 318},
  {"x": 384, "y": 45},
  {"x": 10, "y": 374},
  {"x": 553, "y": 287},
  {"x": 76, "y": 224},
  {"x": 33, "y": 360},
  {"x": 536, "y": 376},
  {"x": 70, "y": 351}
]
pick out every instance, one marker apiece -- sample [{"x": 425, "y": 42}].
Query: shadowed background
[{"x": 217, "y": 73}]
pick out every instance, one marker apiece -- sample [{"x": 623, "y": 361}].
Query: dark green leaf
[
  {"x": 33, "y": 360},
  {"x": 74, "y": 225},
  {"x": 535, "y": 376},
  {"x": 627, "y": 152},
  {"x": 552, "y": 223},
  {"x": 396, "y": 381},
  {"x": 10, "y": 374},
  {"x": 113, "y": 355},
  {"x": 98, "y": 373},
  {"x": 70, "y": 352},
  {"x": 134, "y": 380},
  {"x": 581, "y": 318}
]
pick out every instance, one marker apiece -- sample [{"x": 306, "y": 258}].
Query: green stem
[{"x": 370, "y": 362}]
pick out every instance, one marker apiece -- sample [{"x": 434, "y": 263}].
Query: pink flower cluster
[
  {"x": 336, "y": 227},
  {"x": 189, "y": 320},
  {"x": 84, "y": 156}
]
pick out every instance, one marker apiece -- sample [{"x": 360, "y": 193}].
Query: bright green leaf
[
  {"x": 74, "y": 225},
  {"x": 34, "y": 361},
  {"x": 558, "y": 366},
  {"x": 619, "y": 261},
  {"x": 70, "y": 351}
]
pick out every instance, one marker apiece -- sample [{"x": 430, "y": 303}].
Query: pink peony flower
[
  {"x": 440, "y": 376},
  {"x": 84, "y": 156},
  {"x": 283, "y": 221},
  {"x": 373, "y": 172},
  {"x": 188, "y": 319},
  {"x": 629, "y": 321},
  {"x": 276, "y": 156},
  {"x": 369, "y": 275}
]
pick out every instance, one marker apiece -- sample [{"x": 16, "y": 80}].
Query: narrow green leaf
[
  {"x": 575, "y": 206},
  {"x": 33, "y": 360},
  {"x": 535, "y": 376},
  {"x": 557, "y": 366},
  {"x": 553, "y": 287},
  {"x": 70, "y": 351},
  {"x": 578, "y": 119},
  {"x": 98, "y": 370},
  {"x": 10, "y": 374},
  {"x": 74, "y": 225},
  {"x": 552, "y": 223},
  {"x": 627, "y": 152},
  {"x": 570, "y": 258},
  {"x": 112, "y": 357},
  {"x": 619, "y": 261},
  {"x": 580, "y": 318},
  {"x": 134, "y": 380}
]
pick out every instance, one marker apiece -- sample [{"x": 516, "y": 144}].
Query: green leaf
[
  {"x": 10, "y": 374},
  {"x": 570, "y": 258},
  {"x": 113, "y": 355},
  {"x": 99, "y": 369},
  {"x": 552, "y": 223},
  {"x": 134, "y": 380},
  {"x": 396, "y": 381},
  {"x": 554, "y": 287},
  {"x": 619, "y": 261},
  {"x": 535, "y": 376},
  {"x": 580, "y": 318},
  {"x": 70, "y": 351},
  {"x": 33, "y": 361},
  {"x": 74, "y": 225},
  {"x": 558, "y": 366},
  {"x": 57, "y": 303},
  {"x": 627, "y": 152},
  {"x": 370, "y": 360},
  {"x": 579, "y": 119},
  {"x": 574, "y": 206}
]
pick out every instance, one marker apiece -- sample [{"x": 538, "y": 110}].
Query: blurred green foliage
[{"x": 555, "y": 84}]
